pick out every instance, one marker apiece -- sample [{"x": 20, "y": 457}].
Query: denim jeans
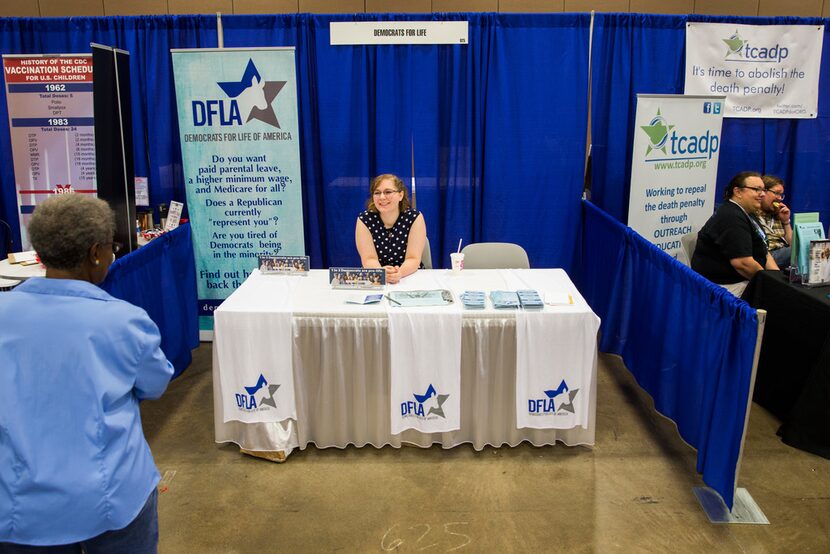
[
  {"x": 141, "y": 536},
  {"x": 781, "y": 256}
]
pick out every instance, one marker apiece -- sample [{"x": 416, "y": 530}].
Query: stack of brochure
[
  {"x": 504, "y": 299},
  {"x": 473, "y": 299},
  {"x": 530, "y": 299}
]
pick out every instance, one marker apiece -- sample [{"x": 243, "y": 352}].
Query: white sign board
[
  {"x": 398, "y": 32},
  {"x": 674, "y": 166},
  {"x": 769, "y": 71}
]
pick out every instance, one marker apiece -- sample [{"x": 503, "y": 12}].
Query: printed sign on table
[
  {"x": 51, "y": 124},
  {"x": 239, "y": 130},
  {"x": 767, "y": 71},
  {"x": 674, "y": 166}
]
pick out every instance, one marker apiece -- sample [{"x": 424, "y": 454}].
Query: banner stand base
[{"x": 744, "y": 508}]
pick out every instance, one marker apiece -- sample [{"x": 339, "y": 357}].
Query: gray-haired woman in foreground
[{"x": 75, "y": 470}]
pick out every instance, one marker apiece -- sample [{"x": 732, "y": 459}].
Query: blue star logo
[
  {"x": 435, "y": 400},
  {"x": 268, "y": 398},
  {"x": 567, "y": 397},
  {"x": 254, "y": 96}
]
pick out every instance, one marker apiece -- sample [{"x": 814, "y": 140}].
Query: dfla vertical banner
[
  {"x": 674, "y": 166},
  {"x": 239, "y": 131}
]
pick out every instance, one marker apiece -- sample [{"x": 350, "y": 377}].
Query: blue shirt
[{"x": 74, "y": 362}]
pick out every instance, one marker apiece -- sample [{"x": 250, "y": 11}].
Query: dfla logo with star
[
  {"x": 258, "y": 397},
  {"x": 249, "y": 98},
  {"x": 425, "y": 405},
  {"x": 557, "y": 401}
]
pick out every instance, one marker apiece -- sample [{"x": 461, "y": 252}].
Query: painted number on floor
[{"x": 424, "y": 536}]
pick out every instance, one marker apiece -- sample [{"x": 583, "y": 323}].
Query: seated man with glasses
[
  {"x": 731, "y": 246},
  {"x": 774, "y": 217}
]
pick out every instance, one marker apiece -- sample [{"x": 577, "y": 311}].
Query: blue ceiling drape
[{"x": 638, "y": 53}]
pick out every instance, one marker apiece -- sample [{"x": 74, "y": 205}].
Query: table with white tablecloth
[{"x": 340, "y": 358}]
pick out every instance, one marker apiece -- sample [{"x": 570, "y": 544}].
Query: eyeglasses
[
  {"x": 779, "y": 195},
  {"x": 762, "y": 190},
  {"x": 116, "y": 247},
  {"x": 385, "y": 193}
]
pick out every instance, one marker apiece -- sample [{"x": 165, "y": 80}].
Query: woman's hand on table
[{"x": 393, "y": 274}]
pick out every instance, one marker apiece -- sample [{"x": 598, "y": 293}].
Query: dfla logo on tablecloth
[
  {"x": 556, "y": 402},
  {"x": 426, "y": 406},
  {"x": 258, "y": 397}
]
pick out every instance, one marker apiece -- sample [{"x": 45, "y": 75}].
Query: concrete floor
[{"x": 631, "y": 493}]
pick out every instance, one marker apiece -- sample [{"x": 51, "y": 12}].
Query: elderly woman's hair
[
  {"x": 66, "y": 226},
  {"x": 403, "y": 205},
  {"x": 738, "y": 181}
]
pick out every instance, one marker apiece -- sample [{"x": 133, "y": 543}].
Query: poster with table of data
[{"x": 51, "y": 125}]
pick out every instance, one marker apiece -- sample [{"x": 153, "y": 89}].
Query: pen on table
[{"x": 389, "y": 298}]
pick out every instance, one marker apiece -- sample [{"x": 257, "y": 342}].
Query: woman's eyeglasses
[
  {"x": 779, "y": 195},
  {"x": 385, "y": 193},
  {"x": 116, "y": 247}
]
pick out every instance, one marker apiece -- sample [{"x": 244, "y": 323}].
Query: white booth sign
[
  {"x": 767, "y": 71},
  {"x": 398, "y": 32}
]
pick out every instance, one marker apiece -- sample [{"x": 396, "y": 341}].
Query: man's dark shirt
[{"x": 729, "y": 233}]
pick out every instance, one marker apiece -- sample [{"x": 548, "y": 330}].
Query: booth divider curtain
[
  {"x": 645, "y": 54},
  {"x": 161, "y": 278},
  {"x": 689, "y": 343}
]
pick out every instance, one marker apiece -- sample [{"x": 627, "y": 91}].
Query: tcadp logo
[
  {"x": 426, "y": 406},
  {"x": 556, "y": 402},
  {"x": 663, "y": 137},
  {"x": 737, "y": 47},
  {"x": 258, "y": 397},
  {"x": 246, "y": 99}
]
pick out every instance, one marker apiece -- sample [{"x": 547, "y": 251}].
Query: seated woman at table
[
  {"x": 75, "y": 469},
  {"x": 390, "y": 234}
]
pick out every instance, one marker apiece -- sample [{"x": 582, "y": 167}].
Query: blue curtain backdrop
[
  {"x": 497, "y": 137},
  {"x": 498, "y": 125},
  {"x": 645, "y": 54}
]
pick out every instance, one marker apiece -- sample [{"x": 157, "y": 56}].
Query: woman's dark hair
[
  {"x": 772, "y": 181},
  {"x": 737, "y": 182}
]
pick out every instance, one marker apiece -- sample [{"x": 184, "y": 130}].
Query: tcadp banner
[
  {"x": 763, "y": 70},
  {"x": 674, "y": 166},
  {"x": 239, "y": 133}
]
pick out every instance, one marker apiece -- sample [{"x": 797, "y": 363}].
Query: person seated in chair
[
  {"x": 731, "y": 246},
  {"x": 390, "y": 234},
  {"x": 774, "y": 217}
]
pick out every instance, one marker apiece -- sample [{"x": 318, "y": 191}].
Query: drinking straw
[{"x": 459, "y": 245}]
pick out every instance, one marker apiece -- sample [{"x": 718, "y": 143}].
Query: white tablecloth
[{"x": 341, "y": 360}]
